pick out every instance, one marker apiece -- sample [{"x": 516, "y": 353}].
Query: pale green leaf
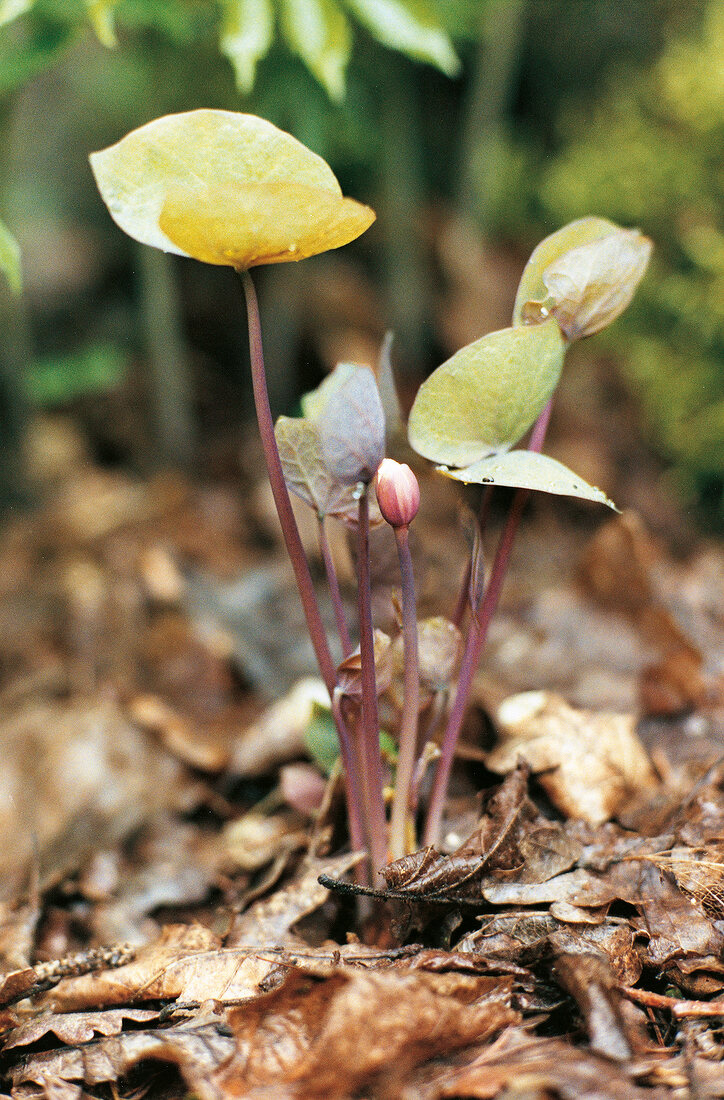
[
  {"x": 532, "y": 288},
  {"x": 319, "y": 33},
  {"x": 100, "y": 13},
  {"x": 394, "y": 425},
  {"x": 483, "y": 399},
  {"x": 10, "y": 259},
  {"x": 247, "y": 32},
  {"x": 529, "y": 470},
  {"x": 225, "y": 188},
  {"x": 306, "y": 473},
  {"x": 314, "y": 403},
  {"x": 590, "y": 286},
  {"x": 410, "y": 26},
  {"x": 11, "y": 9}
]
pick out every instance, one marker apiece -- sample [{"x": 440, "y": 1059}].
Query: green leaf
[
  {"x": 483, "y": 399},
  {"x": 320, "y": 739},
  {"x": 11, "y": 9},
  {"x": 55, "y": 380},
  {"x": 306, "y": 473},
  {"x": 247, "y": 32},
  {"x": 319, "y": 33},
  {"x": 532, "y": 288},
  {"x": 10, "y": 259},
  {"x": 410, "y": 26},
  {"x": 100, "y": 13},
  {"x": 529, "y": 470}
]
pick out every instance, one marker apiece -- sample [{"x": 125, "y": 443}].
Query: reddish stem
[
  {"x": 376, "y": 821},
  {"x": 411, "y": 700},
  {"x": 475, "y": 641},
  {"x": 293, "y": 543}
]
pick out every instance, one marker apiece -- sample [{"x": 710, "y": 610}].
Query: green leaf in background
[
  {"x": 11, "y": 9},
  {"x": 10, "y": 259},
  {"x": 247, "y": 32},
  {"x": 529, "y": 470},
  {"x": 410, "y": 26},
  {"x": 100, "y": 14},
  {"x": 318, "y": 32},
  {"x": 321, "y": 740},
  {"x": 55, "y": 380},
  {"x": 487, "y": 395},
  {"x": 531, "y": 287}
]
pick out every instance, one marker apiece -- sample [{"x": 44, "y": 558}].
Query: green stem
[
  {"x": 296, "y": 553},
  {"x": 410, "y": 703},
  {"x": 376, "y": 821},
  {"x": 333, "y": 582},
  {"x": 476, "y": 639}
]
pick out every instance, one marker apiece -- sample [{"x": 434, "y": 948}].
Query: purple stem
[
  {"x": 411, "y": 701},
  {"x": 334, "y": 591},
  {"x": 475, "y": 641},
  {"x": 372, "y": 778},
  {"x": 296, "y": 553}
]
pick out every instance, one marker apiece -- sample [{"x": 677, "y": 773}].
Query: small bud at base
[{"x": 398, "y": 493}]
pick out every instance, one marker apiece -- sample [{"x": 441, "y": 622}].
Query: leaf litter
[{"x": 162, "y": 923}]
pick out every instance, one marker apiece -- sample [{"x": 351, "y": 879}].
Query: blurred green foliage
[
  {"x": 651, "y": 154},
  {"x": 59, "y": 379}
]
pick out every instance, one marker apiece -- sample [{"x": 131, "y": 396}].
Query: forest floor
[{"x": 163, "y": 929}]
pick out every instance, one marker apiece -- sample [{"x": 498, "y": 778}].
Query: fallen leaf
[{"x": 587, "y": 762}]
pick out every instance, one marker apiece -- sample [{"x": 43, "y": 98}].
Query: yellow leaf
[{"x": 225, "y": 188}]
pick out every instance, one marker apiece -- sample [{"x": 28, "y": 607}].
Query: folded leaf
[
  {"x": 306, "y": 473},
  {"x": 487, "y": 395},
  {"x": 589, "y": 286},
  {"x": 532, "y": 288},
  {"x": 225, "y": 188},
  {"x": 529, "y": 470},
  {"x": 352, "y": 429}
]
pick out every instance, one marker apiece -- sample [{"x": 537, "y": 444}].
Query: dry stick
[
  {"x": 372, "y": 777},
  {"x": 474, "y": 645},
  {"x": 297, "y": 556},
  {"x": 334, "y": 591},
  {"x": 411, "y": 700},
  {"x": 677, "y": 1007}
]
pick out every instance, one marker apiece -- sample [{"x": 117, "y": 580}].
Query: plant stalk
[
  {"x": 376, "y": 821},
  {"x": 475, "y": 641},
  {"x": 411, "y": 700},
  {"x": 297, "y": 556}
]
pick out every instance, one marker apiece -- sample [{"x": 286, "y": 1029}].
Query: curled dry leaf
[
  {"x": 277, "y": 736},
  {"x": 349, "y": 671},
  {"x": 483, "y": 399},
  {"x": 588, "y": 762},
  {"x": 225, "y": 188}
]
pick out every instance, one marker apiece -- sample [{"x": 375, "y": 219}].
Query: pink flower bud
[{"x": 398, "y": 493}]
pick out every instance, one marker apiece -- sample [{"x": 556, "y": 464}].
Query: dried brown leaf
[
  {"x": 300, "y": 1041},
  {"x": 269, "y": 922},
  {"x": 589, "y": 762},
  {"x": 76, "y": 1027}
]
